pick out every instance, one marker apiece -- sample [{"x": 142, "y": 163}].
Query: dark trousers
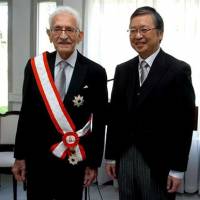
[
  {"x": 136, "y": 181},
  {"x": 54, "y": 180}
]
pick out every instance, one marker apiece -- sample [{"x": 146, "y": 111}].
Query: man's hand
[
  {"x": 90, "y": 176},
  {"x": 173, "y": 184},
  {"x": 111, "y": 170},
  {"x": 19, "y": 170}
]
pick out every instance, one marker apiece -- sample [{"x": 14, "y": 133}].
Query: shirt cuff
[
  {"x": 176, "y": 174},
  {"x": 110, "y": 162}
]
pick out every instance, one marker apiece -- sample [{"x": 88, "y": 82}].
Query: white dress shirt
[{"x": 68, "y": 70}]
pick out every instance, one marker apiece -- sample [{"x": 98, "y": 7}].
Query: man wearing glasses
[
  {"x": 60, "y": 135},
  {"x": 152, "y": 115}
]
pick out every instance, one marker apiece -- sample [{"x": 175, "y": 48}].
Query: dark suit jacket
[
  {"x": 157, "y": 117},
  {"x": 36, "y": 132}
]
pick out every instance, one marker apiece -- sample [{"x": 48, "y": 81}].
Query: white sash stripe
[
  {"x": 59, "y": 150},
  {"x": 85, "y": 129},
  {"x": 78, "y": 153},
  {"x": 50, "y": 94}
]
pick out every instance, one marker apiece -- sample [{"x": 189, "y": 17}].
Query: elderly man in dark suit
[
  {"x": 60, "y": 135},
  {"x": 151, "y": 115}
]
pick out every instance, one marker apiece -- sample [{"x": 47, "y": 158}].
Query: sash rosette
[{"x": 69, "y": 146}]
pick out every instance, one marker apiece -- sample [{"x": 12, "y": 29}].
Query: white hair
[{"x": 65, "y": 9}]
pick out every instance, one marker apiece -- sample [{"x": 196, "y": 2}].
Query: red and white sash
[{"x": 69, "y": 146}]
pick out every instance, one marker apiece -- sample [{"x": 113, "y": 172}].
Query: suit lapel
[
  {"x": 158, "y": 69},
  {"x": 78, "y": 77},
  {"x": 132, "y": 81}
]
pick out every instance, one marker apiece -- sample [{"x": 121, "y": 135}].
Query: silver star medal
[
  {"x": 73, "y": 159},
  {"x": 78, "y": 100}
]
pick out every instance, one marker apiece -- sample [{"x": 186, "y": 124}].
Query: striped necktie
[
  {"x": 60, "y": 79},
  {"x": 144, "y": 71}
]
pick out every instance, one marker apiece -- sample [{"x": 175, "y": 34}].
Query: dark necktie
[
  {"x": 144, "y": 71},
  {"x": 60, "y": 79}
]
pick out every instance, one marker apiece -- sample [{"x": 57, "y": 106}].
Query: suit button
[{"x": 138, "y": 93}]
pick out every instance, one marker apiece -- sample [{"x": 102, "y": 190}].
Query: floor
[{"x": 103, "y": 192}]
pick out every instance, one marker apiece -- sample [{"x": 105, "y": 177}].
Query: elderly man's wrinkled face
[{"x": 65, "y": 34}]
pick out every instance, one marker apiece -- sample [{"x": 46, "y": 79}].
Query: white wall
[
  {"x": 20, "y": 50},
  {"x": 76, "y": 4}
]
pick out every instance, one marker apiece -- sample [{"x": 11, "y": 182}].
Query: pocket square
[{"x": 85, "y": 87}]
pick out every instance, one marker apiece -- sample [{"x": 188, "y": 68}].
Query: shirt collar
[
  {"x": 71, "y": 60},
  {"x": 151, "y": 58}
]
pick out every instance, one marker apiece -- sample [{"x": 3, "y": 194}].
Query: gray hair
[{"x": 65, "y": 9}]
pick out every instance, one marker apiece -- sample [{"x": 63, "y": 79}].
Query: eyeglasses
[
  {"x": 134, "y": 31},
  {"x": 70, "y": 31}
]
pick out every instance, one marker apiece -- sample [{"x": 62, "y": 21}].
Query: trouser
[
  {"x": 54, "y": 179},
  {"x": 136, "y": 181}
]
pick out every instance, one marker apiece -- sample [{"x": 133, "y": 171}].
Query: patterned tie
[
  {"x": 144, "y": 71},
  {"x": 60, "y": 79}
]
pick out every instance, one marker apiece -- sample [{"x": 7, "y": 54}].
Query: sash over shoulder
[{"x": 69, "y": 146}]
